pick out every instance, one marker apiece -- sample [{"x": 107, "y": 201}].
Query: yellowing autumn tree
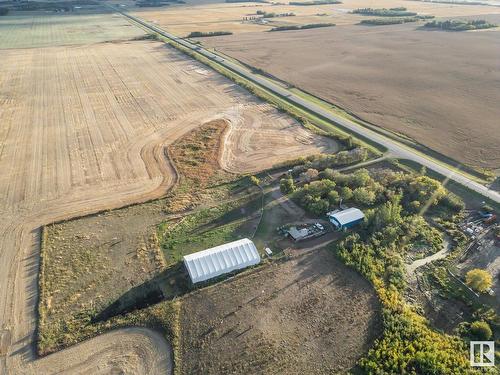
[{"x": 479, "y": 280}]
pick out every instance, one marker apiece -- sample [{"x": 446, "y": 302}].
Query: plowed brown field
[
  {"x": 83, "y": 129},
  {"x": 440, "y": 88}
]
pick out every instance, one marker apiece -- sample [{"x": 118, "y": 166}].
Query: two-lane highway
[{"x": 395, "y": 148}]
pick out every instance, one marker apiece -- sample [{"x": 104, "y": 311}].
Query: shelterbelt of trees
[
  {"x": 459, "y": 25},
  {"x": 394, "y": 203}
]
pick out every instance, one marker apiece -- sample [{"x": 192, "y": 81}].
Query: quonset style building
[
  {"x": 346, "y": 218},
  {"x": 216, "y": 261}
]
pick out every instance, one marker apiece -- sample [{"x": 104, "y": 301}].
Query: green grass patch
[{"x": 209, "y": 227}]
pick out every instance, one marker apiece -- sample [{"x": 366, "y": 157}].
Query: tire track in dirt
[{"x": 19, "y": 296}]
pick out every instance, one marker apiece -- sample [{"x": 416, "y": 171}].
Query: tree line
[
  {"x": 459, "y": 25},
  {"x": 199, "y": 34},
  {"x": 383, "y": 12},
  {"x": 302, "y": 27}
]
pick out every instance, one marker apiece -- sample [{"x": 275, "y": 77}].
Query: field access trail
[{"x": 395, "y": 148}]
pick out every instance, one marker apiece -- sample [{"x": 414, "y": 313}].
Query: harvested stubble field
[
  {"x": 384, "y": 76},
  {"x": 84, "y": 129},
  {"x": 207, "y": 17},
  {"x": 306, "y": 315},
  {"x": 51, "y": 30}
]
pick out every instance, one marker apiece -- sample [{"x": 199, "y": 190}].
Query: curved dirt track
[
  {"x": 84, "y": 129},
  {"x": 124, "y": 351},
  {"x": 258, "y": 137}
]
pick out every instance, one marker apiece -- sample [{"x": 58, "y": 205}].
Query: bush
[
  {"x": 481, "y": 330},
  {"x": 479, "y": 280},
  {"x": 287, "y": 185},
  {"x": 254, "y": 180},
  {"x": 363, "y": 196}
]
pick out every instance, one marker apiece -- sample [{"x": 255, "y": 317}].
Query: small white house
[
  {"x": 216, "y": 261},
  {"x": 346, "y": 218}
]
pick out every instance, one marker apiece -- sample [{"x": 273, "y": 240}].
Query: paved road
[{"x": 395, "y": 148}]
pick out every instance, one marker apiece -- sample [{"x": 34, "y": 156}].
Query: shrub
[
  {"x": 287, "y": 185},
  {"x": 254, "y": 180},
  {"x": 481, "y": 330}
]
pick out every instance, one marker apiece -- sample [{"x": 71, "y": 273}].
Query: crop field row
[{"x": 51, "y": 30}]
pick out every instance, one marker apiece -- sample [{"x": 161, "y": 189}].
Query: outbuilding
[
  {"x": 216, "y": 261},
  {"x": 346, "y": 218}
]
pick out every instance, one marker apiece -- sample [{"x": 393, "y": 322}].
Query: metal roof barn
[
  {"x": 210, "y": 263},
  {"x": 346, "y": 218}
]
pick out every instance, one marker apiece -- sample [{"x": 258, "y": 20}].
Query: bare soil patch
[
  {"x": 309, "y": 315},
  {"x": 260, "y": 137},
  {"x": 448, "y": 103}
]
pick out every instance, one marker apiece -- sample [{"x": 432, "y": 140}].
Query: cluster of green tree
[
  {"x": 272, "y": 14},
  {"x": 4, "y": 11},
  {"x": 459, "y": 25},
  {"x": 315, "y": 2},
  {"x": 393, "y": 20},
  {"x": 383, "y": 12},
  {"x": 408, "y": 345},
  {"x": 302, "y": 27},
  {"x": 324, "y": 161},
  {"x": 199, "y": 34},
  {"x": 324, "y": 189}
]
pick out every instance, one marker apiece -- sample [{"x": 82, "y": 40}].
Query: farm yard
[
  {"x": 309, "y": 314},
  {"x": 84, "y": 129},
  {"x": 120, "y": 155}
]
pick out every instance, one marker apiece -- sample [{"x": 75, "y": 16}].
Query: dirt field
[
  {"x": 308, "y": 315},
  {"x": 449, "y": 105},
  {"x": 57, "y": 30},
  {"x": 83, "y": 130},
  {"x": 203, "y": 16},
  {"x": 251, "y": 141}
]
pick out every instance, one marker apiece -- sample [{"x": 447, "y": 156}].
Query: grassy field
[
  {"x": 209, "y": 227},
  {"x": 57, "y": 30}
]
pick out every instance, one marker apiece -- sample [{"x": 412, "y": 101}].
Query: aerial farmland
[{"x": 139, "y": 136}]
